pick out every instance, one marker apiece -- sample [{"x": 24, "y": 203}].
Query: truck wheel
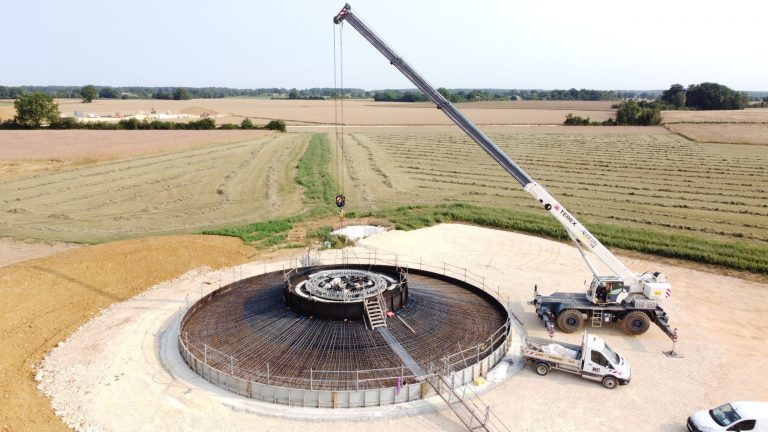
[
  {"x": 610, "y": 382},
  {"x": 569, "y": 320},
  {"x": 542, "y": 368},
  {"x": 636, "y": 323}
]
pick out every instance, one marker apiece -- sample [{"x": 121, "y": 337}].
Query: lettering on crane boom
[
  {"x": 591, "y": 240},
  {"x": 568, "y": 217},
  {"x": 587, "y": 236}
]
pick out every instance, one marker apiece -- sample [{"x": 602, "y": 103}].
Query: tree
[
  {"x": 572, "y": 120},
  {"x": 109, "y": 93},
  {"x": 34, "y": 108},
  {"x": 246, "y": 124},
  {"x": 642, "y": 114},
  {"x": 294, "y": 94},
  {"x": 452, "y": 97},
  {"x": 181, "y": 94},
  {"x": 675, "y": 96},
  {"x": 88, "y": 93},
  {"x": 714, "y": 96},
  {"x": 278, "y": 125}
]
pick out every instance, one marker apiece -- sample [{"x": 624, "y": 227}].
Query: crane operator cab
[{"x": 606, "y": 289}]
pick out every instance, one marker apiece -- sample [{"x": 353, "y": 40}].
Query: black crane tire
[
  {"x": 636, "y": 323},
  {"x": 569, "y": 320}
]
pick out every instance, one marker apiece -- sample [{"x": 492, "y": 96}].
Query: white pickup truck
[
  {"x": 593, "y": 360},
  {"x": 734, "y": 416}
]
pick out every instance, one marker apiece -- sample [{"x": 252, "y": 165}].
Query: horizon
[
  {"x": 557, "y": 45},
  {"x": 403, "y": 89}
]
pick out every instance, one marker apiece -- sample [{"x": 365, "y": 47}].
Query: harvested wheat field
[
  {"x": 34, "y": 151},
  {"x": 653, "y": 179},
  {"x": 751, "y": 115},
  {"x": 635, "y": 177},
  {"x": 733, "y": 133},
  {"x": 356, "y": 111},
  {"x": 44, "y": 300},
  {"x": 186, "y": 190},
  {"x": 7, "y": 111},
  {"x": 123, "y": 370}
]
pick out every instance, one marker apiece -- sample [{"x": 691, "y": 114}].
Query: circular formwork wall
[{"x": 245, "y": 338}]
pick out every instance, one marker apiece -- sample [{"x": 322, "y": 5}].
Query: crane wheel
[
  {"x": 610, "y": 382},
  {"x": 569, "y": 320},
  {"x": 542, "y": 368},
  {"x": 636, "y": 323}
]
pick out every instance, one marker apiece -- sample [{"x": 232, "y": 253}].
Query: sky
[{"x": 524, "y": 44}]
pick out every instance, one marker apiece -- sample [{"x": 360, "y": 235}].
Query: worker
[{"x": 601, "y": 293}]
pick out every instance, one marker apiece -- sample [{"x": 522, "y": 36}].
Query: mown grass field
[
  {"x": 651, "y": 192},
  {"x": 182, "y": 191},
  {"x": 664, "y": 182}
]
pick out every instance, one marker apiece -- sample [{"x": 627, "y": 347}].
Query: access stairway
[
  {"x": 374, "y": 312},
  {"x": 464, "y": 402}
]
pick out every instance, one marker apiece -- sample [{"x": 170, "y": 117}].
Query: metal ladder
[
  {"x": 597, "y": 318},
  {"x": 374, "y": 312},
  {"x": 471, "y": 411}
]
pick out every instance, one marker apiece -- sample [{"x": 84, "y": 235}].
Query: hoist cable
[
  {"x": 341, "y": 73},
  {"x": 336, "y": 110}
]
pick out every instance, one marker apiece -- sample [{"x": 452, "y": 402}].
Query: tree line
[
  {"x": 37, "y": 109},
  {"x": 136, "y": 92},
  {"x": 704, "y": 96}
]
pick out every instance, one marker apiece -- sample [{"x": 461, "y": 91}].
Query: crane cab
[{"x": 606, "y": 290}]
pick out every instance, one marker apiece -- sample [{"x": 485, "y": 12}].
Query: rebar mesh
[{"x": 246, "y": 330}]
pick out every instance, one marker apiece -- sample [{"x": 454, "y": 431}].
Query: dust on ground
[
  {"x": 42, "y": 301},
  {"x": 722, "y": 340}
]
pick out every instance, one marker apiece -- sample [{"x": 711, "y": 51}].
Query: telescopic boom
[{"x": 581, "y": 236}]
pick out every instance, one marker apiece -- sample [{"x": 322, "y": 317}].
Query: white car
[{"x": 733, "y": 416}]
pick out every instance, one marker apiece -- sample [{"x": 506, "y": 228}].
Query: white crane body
[{"x": 623, "y": 288}]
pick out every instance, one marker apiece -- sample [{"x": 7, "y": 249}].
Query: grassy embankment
[{"x": 314, "y": 175}]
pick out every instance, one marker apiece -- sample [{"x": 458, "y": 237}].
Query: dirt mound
[{"x": 45, "y": 300}]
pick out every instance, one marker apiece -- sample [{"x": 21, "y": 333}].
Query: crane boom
[{"x": 578, "y": 232}]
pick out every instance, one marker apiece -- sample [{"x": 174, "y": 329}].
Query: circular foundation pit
[{"x": 332, "y": 336}]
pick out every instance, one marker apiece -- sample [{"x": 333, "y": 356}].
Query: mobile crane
[{"x": 625, "y": 297}]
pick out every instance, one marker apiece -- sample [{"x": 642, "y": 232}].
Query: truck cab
[
  {"x": 732, "y": 416},
  {"x": 604, "y": 362},
  {"x": 593, "y": 360},
  {"x": 606, "y": 290}
]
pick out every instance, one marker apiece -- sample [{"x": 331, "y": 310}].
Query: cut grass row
[
  {"x": 319, "y": 188},
  {"x": 315, "y": 176}
]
